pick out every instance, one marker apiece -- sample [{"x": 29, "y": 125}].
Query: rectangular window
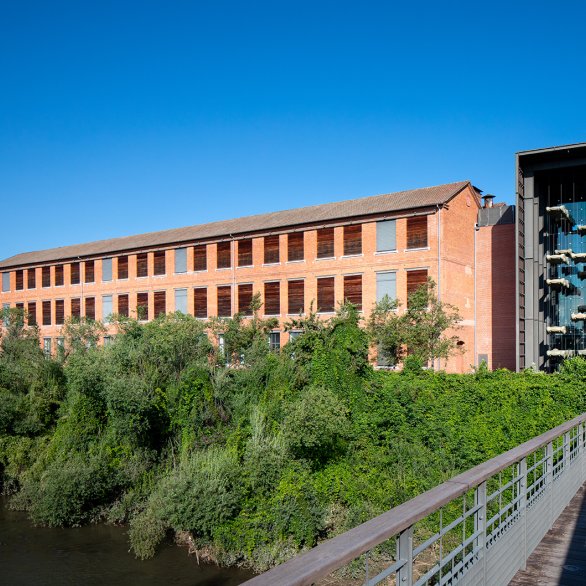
[
  {"x": 123, "y": 267},
  {"x": 386, "y": 284},
  {"x": 106, "y": 269},
  {"x": 46, "y": 313},
  {"x": 123, "y": 305},
  {"x": 417, "y": 232},
  {"x": 245, "y": 299},
  {"x": 32, "y": 313},
  {"x": 273, "y": 298},
  {"x": 19, "y": 280},
  {"x": 142, "y": 264},
  {"x": 415, "y": 279},
  {"x": 59, "y": 276},
  {"x": 60, "y": 312},
  {"x": 271, "y": 252},
  {"x": 224, "y": 301},
  {"x": 75, "y": 272},
  {"x": 5, "y": 314},
  {"x": 90, "y": 308},
  {"x": 353, "y": 290},
  {"x": 200, "y": 302},
  {"x": 181, "y": 300},
  {"x": 47, "y": 347},
  {"x": 352, "y": 240},
  {"x": 224, "y": 251},
  {"x": 296, "y": 297},
  {"x": 326, "y": 300},
  {"x": 295, "y": 246},
  {"x": 20, "y": 306},
  {"x": 325, "y": 243},
  {"x": 275, "y": 341},
  {"x": 245, "y": 253},
  {"x": 46, "y": 274},
  {"x": 107, "y": 308},
  {"x": 200, "y": 258},
  {"x": 142, "y": 306},
  {"x": 159, "y": 263},
  {"x": 386, "y": 235},
  {"x": 160, "y": 303},
  {"x": 89, "y": 271},
  {"x": 181, "y": 260},
  {"x": 31, "y": 279},
  {"x": 5, "y": 282},
  {"x": 76, "y": 307},
  {"x": 107, "y": 340}
]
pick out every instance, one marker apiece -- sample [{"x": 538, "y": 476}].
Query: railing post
[
  {"x": 405, "y": 553},
  {"x": 523, "y": 506},
  {"x": 549, "y": 478},
  {"x": 566, "y": 450},
  {"x": 480, "y": 526}
]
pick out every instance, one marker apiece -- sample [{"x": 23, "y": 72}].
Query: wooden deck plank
[{"x": 560, "y": 558}]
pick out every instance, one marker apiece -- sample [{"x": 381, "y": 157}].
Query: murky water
[{"x": 92, "y": 555}]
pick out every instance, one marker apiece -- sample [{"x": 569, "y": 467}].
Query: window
[
  {"x": 271, "y": 252},
  {"x": 386, "y": 284},
  {"x": 123, "y": 305},
  {"x": 200, "y": 258},
  {"x": 159, "y": 267},
  {"x": 245, "y": 253},
  {"x": 160, "y": 303},
  {"x": 59, "y": 277},
  {"x": 89, "y": 267},
  {"x": 76, "y": 307},
  {"x": 275, "y": 341},
  {"x": 295, "y": 248},
  {"x": 31, "y": 279},
  {"x": 5, "y": 314},
  {"x": 417, "y": 232},
  {"x": 386, "y": 235},
  {"x": 221, "y": 345},
  {"x": 107, "y": 308},
  {"x": 353, "y": 290},
  {"x": 75, "y": 272},
  {"x": 224, "y": 301},
  {"x": 181, "y": 300},
  {"x": 46, "y": 276},
  {"x": 224, "y": 250},
  {"x": 415, "y": 279},
  {"x": 352, "y": 240},
  {"x": 60, "y": 344},
  {"x": 90, "y": 308},
  {"x": 245, "y": 299},
  {"x": 181, "y": 260},
  {"x": 200, "y": 302},
  {"x": 326, "y": 300},
  {"x": 296, "y": 297},
  {"x": 293, "y": 335},
  {"x": 32, "y": 313},
  {"x": 142, "y": 264},
  {"x": 106, "y": 269},
  {"x": 142, "y": 306},
  {"x": 47, "y": 347},
  {"x": 5, "y": 282},
  {"x": 20, "y": 306},
  {"x": 60, "y": 312},
  {"x": 19, "y": 280},
  {"x": 325, "y": 243},
  {"x": 123, "y": 267},
  {"x": 273, "y": 298},
  {"x": 107, "y": 340},
  {"x": 46, "y": 313}
]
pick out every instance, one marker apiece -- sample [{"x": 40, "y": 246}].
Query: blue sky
[{"x": 126, "y": 117}]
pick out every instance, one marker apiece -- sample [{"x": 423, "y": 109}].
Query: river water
[{"x": 94, "y": 555}]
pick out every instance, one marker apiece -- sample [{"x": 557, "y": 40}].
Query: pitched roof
[{"x": 365, "y": 206}]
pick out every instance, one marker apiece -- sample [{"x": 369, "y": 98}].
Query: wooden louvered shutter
[
  {"x": 271, "y": 249},
  {"x": 296, "y": 297},
  {"x": 273, "y": 298},
  {"x": 46, "y": 313},
  {"x": 32, "y": 313},
  {"x": 59, "y": 280},
  {"x": 353, "y": 290},
  {"x": 19, "y": 280},
  {"x": 417, "y": 232},
  {"x": 142, "y": 306},
  {"x": 90, "y": 308},
  {"x": 89, "y": 271},
  {"x": 200, "y": 302},
  {"x": 123, "y": 305},
  {"x": 123, "y": 268},
  {"x": 415, "y": 279},
  {"x": 325, "y": 243},
  {"x": 160, "y": 303},
  {"x": 46, "y": 274},
  {"x": 245, "y": 253},
  {"x": 326, "y": 299},
  {"x": 31, "y": 278},
  {"x": 245, "y": 299},
  {"x": 76, "y": 307},
  {"x": 200, "y": 258},
  {"x": 142, "y": 264},
  {"x": 74, "y": 279},
  {"x": 352, "y": 240},
  {"x": 295, "y": 248},
  {"x": 59, "y": 312},
  {"x": 224, "y": 251},
  {"x": 225, "y": 301},
  {"x": 159, "y": 264}
]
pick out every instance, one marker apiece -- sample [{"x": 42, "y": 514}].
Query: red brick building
[{"x": 297, "y": 259}]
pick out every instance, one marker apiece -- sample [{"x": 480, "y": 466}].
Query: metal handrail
[{"x": 307, "y": 568}]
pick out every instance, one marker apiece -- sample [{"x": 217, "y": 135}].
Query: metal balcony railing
[{"x": 477, "y": 528}]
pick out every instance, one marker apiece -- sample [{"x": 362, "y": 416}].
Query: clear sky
[{"x": 125, "y": 117}]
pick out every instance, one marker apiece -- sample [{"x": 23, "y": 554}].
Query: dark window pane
[
  {"x": 353, "y": 290},
  {"x": 244, "y": 299},
  {"x": 224, "y": 250},
  {"x": 225, "y": 301},
  {"x": 417, "y": 232},
  {"x": 142, "y": 265},
  {"x": 295, "y": 249},
  {"x": 200, "y": 259},
  {"x": 326, "y": 300},
  {"x": 159, "y": 263},
  {"x": 325, "y": 243},
  {"x": 271, "y": 252},
  {"x": 244, "y": 253},
  {"x": 273, "y": 298},
  {"x": 200, "y": 302},
  {"x": 352, "y": 240},
  {"x": 123, "y": 267}
]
